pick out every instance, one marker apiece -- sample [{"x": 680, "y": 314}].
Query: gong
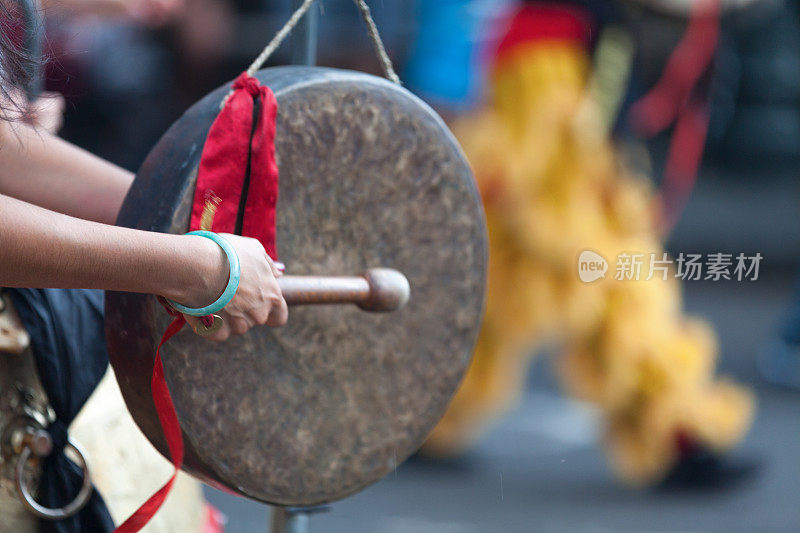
[{"x": 370, "y": 177}]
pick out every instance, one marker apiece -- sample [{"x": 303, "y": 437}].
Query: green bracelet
[{"x": 233, "y": 280}]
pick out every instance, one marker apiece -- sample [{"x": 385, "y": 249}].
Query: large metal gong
[{"x": 336, "y": 399}]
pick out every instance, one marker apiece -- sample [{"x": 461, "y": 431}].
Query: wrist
[{"x": 204, "y": 274}]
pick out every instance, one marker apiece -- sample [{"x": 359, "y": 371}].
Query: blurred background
[{"x": 525, "y": 453}]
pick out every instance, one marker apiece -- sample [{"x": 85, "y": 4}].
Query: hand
[
  {"x": 258, "y": 301},
  {"x": 152, "y": 13}
]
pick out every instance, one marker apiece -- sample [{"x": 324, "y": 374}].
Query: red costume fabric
[{"x": 545, "y": 22}]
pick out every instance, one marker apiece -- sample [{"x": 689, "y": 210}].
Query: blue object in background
[
  {"x": 779, "y": 360},
  {"x": 445, "y": 66}
]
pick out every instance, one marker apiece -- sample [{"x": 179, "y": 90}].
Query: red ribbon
[
  {"x": 679, "y": 97},
  {"x": 172, "y": 432},
  {"x": 238, "y": 167}
]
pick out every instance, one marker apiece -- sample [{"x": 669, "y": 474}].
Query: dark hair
[{"x": 16, "y": 65}]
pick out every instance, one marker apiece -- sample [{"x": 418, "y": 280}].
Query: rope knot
[{"x": 248, "y": 83}]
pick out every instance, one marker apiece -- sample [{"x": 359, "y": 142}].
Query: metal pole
[
  {"x": 304, "y": 36},
  {"x": 288, "y": 520}
]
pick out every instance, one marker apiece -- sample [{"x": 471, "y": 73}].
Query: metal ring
[{"x": 47, "y": 513}]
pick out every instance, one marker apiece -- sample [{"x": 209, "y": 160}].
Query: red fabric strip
[
  {"x": 234, "y": 145},
  {"x": 262, "y": 200},
  {"x": 224, "y": 163},
  {"x": 172, "y": 432}
]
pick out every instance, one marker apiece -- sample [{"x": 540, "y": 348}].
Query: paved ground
[{"x": 539, "y": 469}]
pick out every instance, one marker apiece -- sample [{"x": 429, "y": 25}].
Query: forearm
[
  {"x": 42, "y": 169},
  {"x": 40, "y": 248}
]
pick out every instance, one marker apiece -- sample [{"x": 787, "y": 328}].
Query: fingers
[
  {"x": 240, "y": 325},
  {"x": 222, "y": 334},
  {"x": 258, "y": 300},
  {"x": 276, "y": 267},
  {"x": 276, "y": 315},
  {"x": 279, "y": 314}
]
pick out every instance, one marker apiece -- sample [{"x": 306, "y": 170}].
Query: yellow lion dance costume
[{"x": 552, "y": 187}]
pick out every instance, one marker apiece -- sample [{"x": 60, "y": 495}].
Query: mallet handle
[{"x": 378, "y": 289}]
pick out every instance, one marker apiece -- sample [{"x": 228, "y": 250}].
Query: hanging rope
[
  {"x": 377, "y": 42},
  {"x": 279, "y": 37},
  {"x": 372, "y": 31}
]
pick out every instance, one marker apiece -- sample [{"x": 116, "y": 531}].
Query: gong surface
[{"x": 316, "y": 410}]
